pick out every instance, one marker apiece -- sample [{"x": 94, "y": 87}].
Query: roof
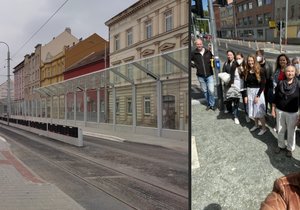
[
  {"x": 91, "y": 58},
  {"x": 130, "y": 10}
]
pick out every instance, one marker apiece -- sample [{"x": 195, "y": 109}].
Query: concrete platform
[{"x": 237, "y": 167}]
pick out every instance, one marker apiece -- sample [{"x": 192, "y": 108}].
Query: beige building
[
  {"x": 147, "y": 31},
  {"x": 53, "y": 57}
]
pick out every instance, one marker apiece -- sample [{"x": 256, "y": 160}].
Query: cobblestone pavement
[{"x": 237, "y": 167}]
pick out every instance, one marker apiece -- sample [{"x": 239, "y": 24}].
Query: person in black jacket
[
  {"x": 229, "y": 67},
  {"x": 285, "y": 108},
  {"x": 269, "y": 71},
  {"x": 201, "y": 60}
]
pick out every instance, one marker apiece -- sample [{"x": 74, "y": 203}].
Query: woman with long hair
[
  {"x": 237, "y": 82},
  {"x": 255, "y": 84},
  {"x": 229, "y": 67}
]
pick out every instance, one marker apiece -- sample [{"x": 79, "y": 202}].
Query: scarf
[{"x": 288, "y": 89}]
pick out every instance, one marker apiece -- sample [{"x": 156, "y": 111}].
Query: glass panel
[
  {"x": 55, "y": 107},
  {"x": 175, "y": 104},
  {"x": 146, "y": 104},
  {"x": 70, "y": 106},
  {"x": 91, "y": 105},
  {"x": 48, "y": 104},
  {"x": 103, "y": 104},
  {"x": 43, "y": 104},
  {"x": 62, "y": 107},
  {"x": 79, "y": 106}
]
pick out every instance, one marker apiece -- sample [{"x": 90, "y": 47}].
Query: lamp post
[
  {"x": 8, "y": 82},
  {"x": 286, "y": 19}
]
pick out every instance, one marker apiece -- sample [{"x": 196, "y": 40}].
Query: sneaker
[
  {"x": 213, "y": 108},
  {"x": 254, "y": 128},
  {"x": 236, "y": 121},
  {"x": 275, "y": 130},
  {"x": 289, "y": 153},
  {"x": 207, "y": 108},
  {"x": 247, "y": 119},
  {"x": 262, "y": 132},
  {"x": 226, "y": 111}
]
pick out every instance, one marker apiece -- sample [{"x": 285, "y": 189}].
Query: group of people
[{"x": 260, "y": 86}]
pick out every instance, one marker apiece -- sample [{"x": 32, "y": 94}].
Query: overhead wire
[{"x": 40, "y": 28}]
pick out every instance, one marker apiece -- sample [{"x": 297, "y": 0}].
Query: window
[
  {"x": 245, "y": 21},
  {"x": 260, "y": 33},
  {"x": 117, "y": 105},
  {"x": 259, "y": 3},
  {"x": 117, "y": 77},
  {"x": 147, "y": 105},
  {"x": 259, "y": 19},
  {"x": 148, "y": 26},
  {"x": 240, "y": 21},
  {"x": 129, "y": 37},
  {"x": 245, "y": 7},
  {"x": 268, "y": 1},
  {"x": 117, "y": 42},
  {"x": 102, "y": 106},
  {"x": 292, "y": 11},
  {"x": 149, "y": 64},
  {"x": 129, "y": 106},
  {"x": 240, "y": 8},
  {"x": 130, "y": 71},
  {"x": 267, "y": 18},
  {"x": 250, "y": 5},
  {"x": 168, "y": 67},
  {"x": 169, "y": 20},
  {"x": 250, "y": 20}
]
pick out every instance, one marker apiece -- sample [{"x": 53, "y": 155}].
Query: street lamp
[
  {"x": 286, "y": 19},
  {"x": 8, "y": 82}
]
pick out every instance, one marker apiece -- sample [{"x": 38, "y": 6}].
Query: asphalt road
[{"x": 106, "y": 174}]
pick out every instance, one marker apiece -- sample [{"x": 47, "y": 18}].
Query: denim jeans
[{"x": 208, "y": 88}]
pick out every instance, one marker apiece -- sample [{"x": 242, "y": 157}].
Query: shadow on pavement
[{"x": 213, "y": 206}]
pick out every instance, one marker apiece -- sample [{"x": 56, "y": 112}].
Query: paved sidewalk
[
  {"x": 22, "y": 189},
  {"x": 237, "y": 167},
  {"x": 179, "y": 145}
]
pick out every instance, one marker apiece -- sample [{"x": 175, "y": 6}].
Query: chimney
[{"x": 68, "y": 29}]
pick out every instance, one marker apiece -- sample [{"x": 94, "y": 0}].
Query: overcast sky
[{"x": 20, "y": 19}]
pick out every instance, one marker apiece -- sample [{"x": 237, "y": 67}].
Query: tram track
[{"x": 133, "y": 190}]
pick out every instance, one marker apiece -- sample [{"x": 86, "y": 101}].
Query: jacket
[
  {"x": 202, "y": 63},
  {"x": 285, "y": 194}
]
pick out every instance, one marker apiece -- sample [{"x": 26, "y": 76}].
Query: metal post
[
  {"x": 133, "y": 104},
  {"x": 280, "y": 36},
  {"x": 8, "y": 82},
  {"x": 159, "y": 107},
  {"x": 286, "y": 19},
  {"x": 215, "y": 52}
]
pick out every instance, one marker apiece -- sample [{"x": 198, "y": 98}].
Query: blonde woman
[
  {"x": 285, "y": 109},
  {"x": 255, "y": 84}
]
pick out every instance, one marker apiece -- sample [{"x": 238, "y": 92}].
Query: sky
[{"x": 21, "y": 19}]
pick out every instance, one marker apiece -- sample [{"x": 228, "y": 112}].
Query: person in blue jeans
[{"x": 201, "y": 60}]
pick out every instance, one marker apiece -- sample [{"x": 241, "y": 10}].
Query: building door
[{"x": 168, "y": 112}]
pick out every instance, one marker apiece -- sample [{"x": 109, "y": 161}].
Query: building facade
[
  {"x": 146, "y": 29},
  {"x": 53, "y": 57}
]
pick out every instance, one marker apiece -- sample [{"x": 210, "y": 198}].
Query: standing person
[
  {"x": 201, "y": 60},
  {"x": 285, "y": 109},
  {"x": 281, "y": 62},
  {"x": 296, "y": 63},
  {"x": 255, "y": 83},
  {"x": 229, "y": 67},
  {"x": 237, "y": 82},
  {"x": 268, "y": 69}
]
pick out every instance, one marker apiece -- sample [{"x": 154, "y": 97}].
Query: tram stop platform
[
  {"x": 233, "y": 168},
  {"x": 22, "y": 189}
]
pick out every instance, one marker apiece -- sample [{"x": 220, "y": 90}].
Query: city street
[{"x": 106, "y": 174}]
